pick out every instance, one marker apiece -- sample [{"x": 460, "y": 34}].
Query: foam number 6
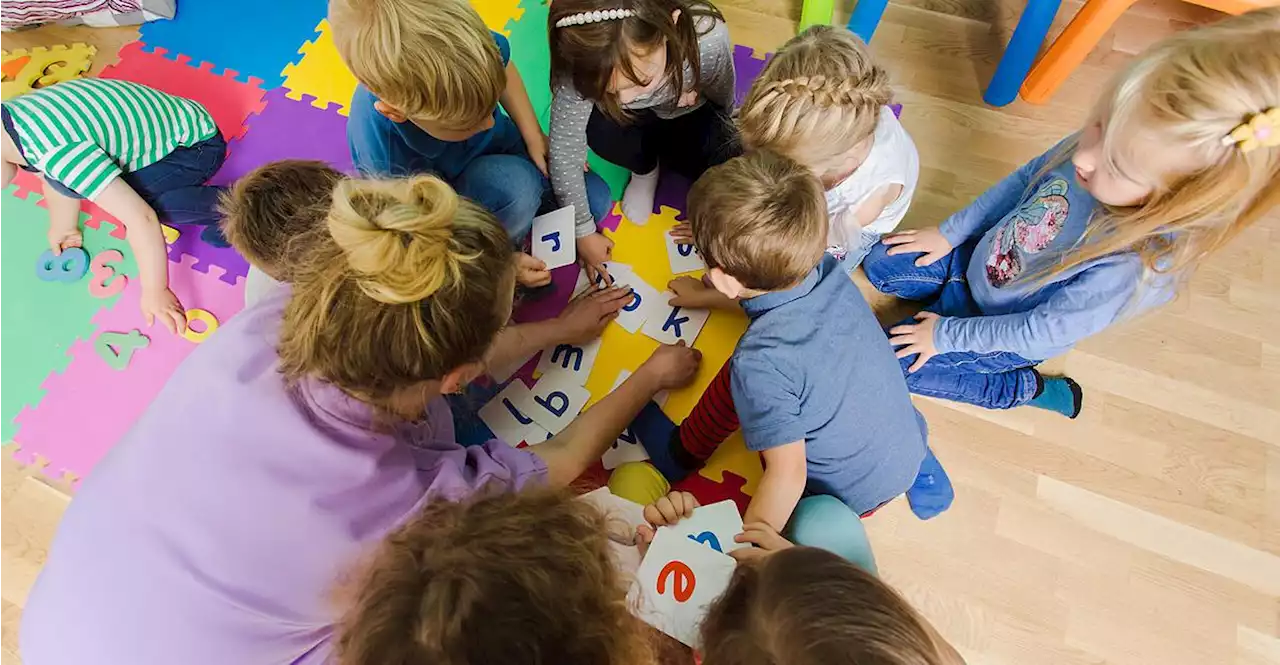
[
  {"x": 117, "y": 348},
  {"x": 70, "y": 266},
  {"x": 102, "y": 285},
  {"x": 205, "y": 317},
  {"x": 682, "y": 580}
]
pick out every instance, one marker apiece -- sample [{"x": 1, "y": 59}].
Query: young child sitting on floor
[
  {"x": 268, "y": 210},
  {"x": 528, "y": 577},
  {"x": 823, "y": 102},
  {"x": 142, "y": 155},
  {"x": 645, "y": 83},
  {"x": 812, "y": 380},
  {"x": 1180, "y": 155},
  {"x": 431, "y": 78}
]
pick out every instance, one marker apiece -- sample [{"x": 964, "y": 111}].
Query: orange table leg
[{"x": 1071, "y": 47}]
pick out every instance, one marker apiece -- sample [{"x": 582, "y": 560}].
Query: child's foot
[
  {"x": 637, "y": 198},
  {"x": 932, "y": 492},
  {"x": 661, "y": 439},
  {"x": 1060, "y": 394}
]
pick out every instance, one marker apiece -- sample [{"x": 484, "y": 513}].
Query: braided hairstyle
[{"x": 817, "y": 100}]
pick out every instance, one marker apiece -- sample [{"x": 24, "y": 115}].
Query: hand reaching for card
[
  {"x": 672, "y": 365},
  {"x": 766, "y": 539},
  {"x": 664, "y": 512},
  {"x": 694, "y": 293},
  {"x": 587, "y": 315}
]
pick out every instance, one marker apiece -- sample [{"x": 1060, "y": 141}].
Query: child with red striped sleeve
[{"x": 813, "y": 380}]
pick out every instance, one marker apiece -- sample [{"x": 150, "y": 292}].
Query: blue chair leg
[
  {"x": 1021, "y": 52},
  {"x": 866, "y": 16}
]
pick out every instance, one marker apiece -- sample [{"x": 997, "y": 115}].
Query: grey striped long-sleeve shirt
[{"x": 570, "y": 112}]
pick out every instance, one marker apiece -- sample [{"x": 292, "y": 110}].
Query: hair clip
[
  {"x": 598, "y": 16},
  {"x": 1263, "y": 129}
]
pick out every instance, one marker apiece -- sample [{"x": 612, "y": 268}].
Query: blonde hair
[
  {"x": 1190, "y": 90},
  {"x": 501, "y": 578},
  {"x": 433, "y": 61},
  {"x": 816, "y": 100},
  {"x": 403, "y": 285},
  {"x": 761, "y": 218}
]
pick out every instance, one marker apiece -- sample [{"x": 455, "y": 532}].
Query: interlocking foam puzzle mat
[{"x": 80, "y": 364}]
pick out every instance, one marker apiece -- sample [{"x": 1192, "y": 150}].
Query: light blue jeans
[{"x": 853, "y": 256}]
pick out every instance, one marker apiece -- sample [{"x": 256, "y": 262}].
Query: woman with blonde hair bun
[{"x": 301, "y": 433}]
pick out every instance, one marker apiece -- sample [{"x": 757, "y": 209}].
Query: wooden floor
[{"x": 1148, "y": 530}]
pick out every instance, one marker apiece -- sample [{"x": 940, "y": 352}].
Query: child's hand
[
  {"x": 682, "y": 233},
  {"x": 672, "y": 365},
  {"x": 593, "y": 251},
  {"x": 929, "y": 242},
  {"x": 689, "y": 98},
  {"x": 766, "y": 539},
  {"x": 64, "y": 239},
  {"x": 587, "y": 315},
  {"x": 670, "y": 509},
  {"x": 916, "y": 338},
  {"x": 164, "y": 305},
  {"x": 691, "y": 292},
  {"x": 538, "y": 150},
  {"x": 531, "y": 272}
]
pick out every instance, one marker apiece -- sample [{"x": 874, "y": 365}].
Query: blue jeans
[
  {"x": 507, "y": 182},
  {"x": 826, "y": 522},
  {"x": 999, "y": 380},
  {"x": 175, "y": 187}
]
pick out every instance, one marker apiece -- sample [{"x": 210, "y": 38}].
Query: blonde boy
[{"x": 431, "y": 79}]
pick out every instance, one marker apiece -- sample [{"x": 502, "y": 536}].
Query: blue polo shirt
[
  {"x": 382, "y": 147},
  {"x": 814, "y": 364}
]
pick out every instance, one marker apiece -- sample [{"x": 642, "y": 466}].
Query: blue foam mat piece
[{"x": 254, "y": 38}]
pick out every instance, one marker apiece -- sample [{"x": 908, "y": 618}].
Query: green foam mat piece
[
  {"x": 40, "y": 320},
  {"x": 532, "y": 54}
]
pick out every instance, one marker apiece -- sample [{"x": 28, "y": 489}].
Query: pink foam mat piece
[
  {"x": 89, "y": 407},
  {"x": 229, "y": 101}
]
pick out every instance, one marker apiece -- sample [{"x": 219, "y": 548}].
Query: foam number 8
[
  {"x": 203, "y": 316},
  {"x": 103, "y": 285},
  {"x": 69, "y": 266},
  {"x": 682, "y": 580}
]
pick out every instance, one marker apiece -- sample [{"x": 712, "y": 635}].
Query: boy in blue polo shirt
[
  {"x": 431, "y": 78},
  {"x": 813, "y": 380}
]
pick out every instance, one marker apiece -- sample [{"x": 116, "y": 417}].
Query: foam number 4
[
  {"x": 683, "y": 581},
  {"x": 69, "y": 266},
  {"x": 205, "y": 317},
  {"x": 709, "y": 539},
  {"x": 106, "y": 282},
  {"x": 117, "y": 349}
]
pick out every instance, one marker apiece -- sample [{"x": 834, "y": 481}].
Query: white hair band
[{"x": 598, "y": 16}]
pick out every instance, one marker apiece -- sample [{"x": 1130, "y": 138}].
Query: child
[
  {"x": 642, "y": 83},
  {"x": 431, "y": 78},
  {"x": 822, "y": 102},
  {"x": 140, "y": 154},
  {"x": 1179, "y": 156},
  {"x": 816, "y": 387},
  {"x": 529, "y": 577},
  {"x": 269, "y": 209}
]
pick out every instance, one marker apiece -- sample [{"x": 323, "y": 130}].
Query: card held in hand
[{"x": 678, "y": 579}]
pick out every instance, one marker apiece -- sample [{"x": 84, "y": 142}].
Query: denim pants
[
  {"x": 509, "y": 184},
  {"x": 999, "y": 380},
  {"x": 175, "y": 187},
  {"x": 818, "y": 520}
]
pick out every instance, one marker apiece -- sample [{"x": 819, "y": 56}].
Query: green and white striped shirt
[{"x": 85, "y": 132}]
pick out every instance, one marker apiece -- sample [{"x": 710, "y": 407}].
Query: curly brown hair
[{"x": 502, "y": 578}]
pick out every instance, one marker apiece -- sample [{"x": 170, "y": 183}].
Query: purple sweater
[{"x": 216, "y": 530}]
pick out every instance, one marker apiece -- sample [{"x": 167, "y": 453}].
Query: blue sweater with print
[{"x": 1021, "y": 226}]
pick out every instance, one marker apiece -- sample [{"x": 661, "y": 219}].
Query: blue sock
[
  {"x": 658, "y": 434},
  {"x": 932, "y": 492},
  {"x": 1060, "y": 394}
]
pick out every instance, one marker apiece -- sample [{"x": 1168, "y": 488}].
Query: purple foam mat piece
[
  {"x": 550, "y": 304},
  {"x": 748, "y": 67},
  {"x": 673, "y": 190},
  {"x": 288, "y": 129},
  {"x": 205, "y": 255}
]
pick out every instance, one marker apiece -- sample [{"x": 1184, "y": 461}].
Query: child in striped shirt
[{"x": 142, "y": 155}]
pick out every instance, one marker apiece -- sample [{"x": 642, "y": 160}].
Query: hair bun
[{"x": 397, "y": 235}]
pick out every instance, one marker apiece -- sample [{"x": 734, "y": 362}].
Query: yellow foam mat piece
[
  {"x": 644, "y": 249},
  {"x": 321, "y": 74},
  {"x": 29, "y": 69}
]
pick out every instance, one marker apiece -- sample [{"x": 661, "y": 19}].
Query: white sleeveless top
[{"x": 893, "y": 160}]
